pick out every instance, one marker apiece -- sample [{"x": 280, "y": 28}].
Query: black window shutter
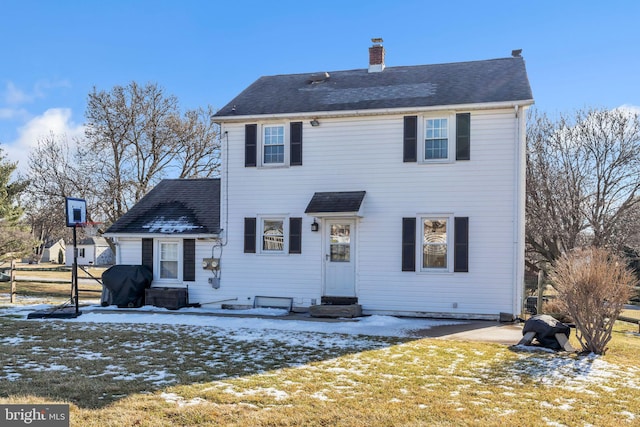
[
  {"x": 147, "y": 253},
  {"x": 250, "y": 145},
  {"x": 463, "y": 136},
  {"x": 461, "y": 245},
  {"x": 249, "y": 235},
  {"x": 410, "y": 141},
  {"x": 189, "y": 260},
  {"x": 295, "y": 235},
  {"x": 408, "y": 244},
  {"x": 296, "y": 144}
]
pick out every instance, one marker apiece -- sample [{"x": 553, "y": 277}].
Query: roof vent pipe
[{"x": 376, "y": 56}]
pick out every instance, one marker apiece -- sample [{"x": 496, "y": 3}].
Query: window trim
[
  {"x": 451, "y": 137},
  {"x": 157, "y": 263},
  {"x": 262, "y": 145},
  {"x": 449, "y": 217},
  {"x": 260, "y": 234}
]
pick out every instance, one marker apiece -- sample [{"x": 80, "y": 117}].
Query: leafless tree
[
  {"x": 583, "y": 178},
  {"x": 55, "y": 172},
  {"x": 136, "y": 136},
  {"x": 198, "y": 154}
]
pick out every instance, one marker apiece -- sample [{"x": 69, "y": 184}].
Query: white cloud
[
  {"x": 13, "y": 95},
  {"x": 634, "y": 109},
  {"x": 55, "y": 121}
]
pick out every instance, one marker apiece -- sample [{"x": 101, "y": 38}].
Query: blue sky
[{"x": 578, "y": 53}]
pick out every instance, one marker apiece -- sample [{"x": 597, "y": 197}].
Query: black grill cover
[
  {"x": 126, "y": 284},
  {"x": 546, "y": 328}
]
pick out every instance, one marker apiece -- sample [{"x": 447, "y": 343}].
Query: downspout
[
  {"x": 116, "y": 251},
  {"x": 226, "y": 188}
]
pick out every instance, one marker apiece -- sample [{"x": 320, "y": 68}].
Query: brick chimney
[{"x": 376, "y": 56}]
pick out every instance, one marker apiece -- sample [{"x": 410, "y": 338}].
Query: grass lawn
[
  {"x": 141, "y": 374},
  {"x": 166, "y": 375}
]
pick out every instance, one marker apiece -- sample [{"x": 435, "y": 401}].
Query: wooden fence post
[
  {"x": 12, "y": 278},
  {"x": 540, "y": 291}
]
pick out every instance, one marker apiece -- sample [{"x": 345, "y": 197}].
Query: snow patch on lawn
[
  {"x": 253, "y": 322},
  {"x": 181, "y": 401}
]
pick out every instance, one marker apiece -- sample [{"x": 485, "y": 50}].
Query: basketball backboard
[{"x": 76, "y": 211}]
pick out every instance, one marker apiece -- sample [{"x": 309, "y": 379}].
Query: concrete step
[{"x": 335, "y": 311}]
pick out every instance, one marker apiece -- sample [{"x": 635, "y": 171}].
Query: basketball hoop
[{"x": 90, "y": 228}]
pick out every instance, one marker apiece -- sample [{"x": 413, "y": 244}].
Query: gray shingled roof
[
  {"x": 495, "y": 80},
  {"x": 335, "y": 201},
  {"x": 174, "y": 206},
  {"x": 91, "y": 241}
]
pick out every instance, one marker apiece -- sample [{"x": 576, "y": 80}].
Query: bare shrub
[
  {"x": 594, "y": 285},
  {"x": 557, "y": 309}
]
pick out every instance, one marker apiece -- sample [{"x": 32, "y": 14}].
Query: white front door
[{"x": 339, "y": 258}]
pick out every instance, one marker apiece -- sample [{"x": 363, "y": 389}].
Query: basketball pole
[
  {"x": 75, "y": 268},
  {"x": 76, "y": 215}
]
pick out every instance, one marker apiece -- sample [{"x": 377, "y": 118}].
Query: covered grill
[{"x": 126, "y": 285}]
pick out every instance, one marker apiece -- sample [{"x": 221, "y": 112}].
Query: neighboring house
[
  {"x": 52, "y": 249},
  {"x": 91, "y": 251},
  {"x": 401, "y": 188},
  {"x": 171, "y": 230}
]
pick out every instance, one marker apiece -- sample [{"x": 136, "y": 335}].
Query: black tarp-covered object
[
  {"x": 546, "y": 328},
  {"x": 126, "y": 284}
]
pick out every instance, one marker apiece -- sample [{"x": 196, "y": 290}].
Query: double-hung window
[
  {"x": 273, "y": 235},
  {"x": 273, "y": 143},
  {"x": 436, "y": 140},
  {"x": 435, "y": 243},
  {"x": 168, "y": 260}
]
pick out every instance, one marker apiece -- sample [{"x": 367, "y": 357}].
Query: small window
[
  {"x": 273, "y": 145},
  {"x": 81, "y": 252},
  {"x": 435, "y": 243},
  {"x": 168, "y": 260},
  {"x": 436, "y": 141},
  {"x": 273, "y": 235}
]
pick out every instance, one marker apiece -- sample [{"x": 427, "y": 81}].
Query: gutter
[
  {"x": 374, "y": 112},
  {"x": 161, "y": 236}
]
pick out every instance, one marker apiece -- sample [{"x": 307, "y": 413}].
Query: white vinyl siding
[{"x": 365, "y": 153}]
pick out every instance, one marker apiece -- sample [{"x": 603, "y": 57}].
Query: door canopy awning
[{"x": 336, "y": 203}]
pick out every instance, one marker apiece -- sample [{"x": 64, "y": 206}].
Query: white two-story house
[{"x": 397, "y": 188}]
